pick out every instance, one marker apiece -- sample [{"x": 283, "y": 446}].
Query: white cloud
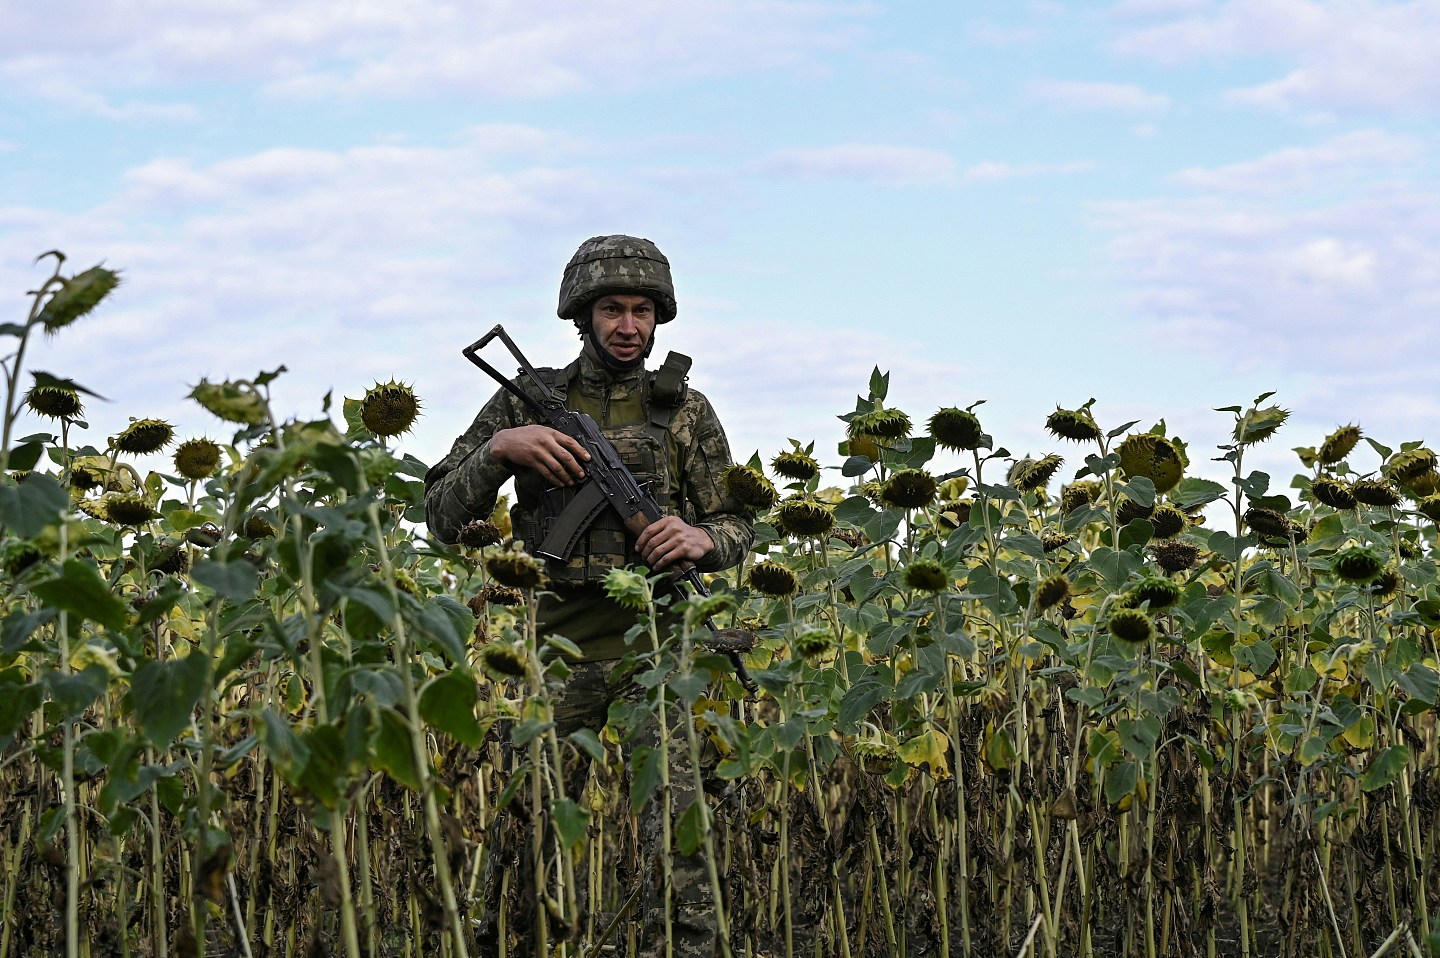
[
  {"x": 992, "y": 170},
  {"x": 1305, "y": 167},
  {"x": 1343, "y": 295},
  {"x": 1356, "y": 55},
  {"x": 1080, "y": 95},
  {"x": 895, "y": 165},
  {"x": 410, "y": 47}
]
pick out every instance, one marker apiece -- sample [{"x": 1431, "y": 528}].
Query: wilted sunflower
[
  {"x": 1154, "y": 457},
  {"x": 797, "y": 465},
  {"x": 1158, "y": 591},
  {"x": 875, "y": 758},
  {"x": 1130, "y": 510},
  {"x": 814, "y": 643},
  {"x": 1425, "y": 484},
  {"x": 1052, "y": 591},
  {"x": 1375, "y": 492},
  {"x": 496, "y": 594},
  {"x": 1175, "y": 556},
  {"x": 479, "y": 533},
  {"x": 1384, "y": 585},
  {"x": 1074, "y": 424},
  {"x": 389, "y": 409},
  {"x": 57, "y": 402},
  {"x": 927, "y": 575},
  {"x": 909, "y": 489},
  {"x": 125, "y": 509},
  {"x": 957, "y": 429},
  {"x": 1268, "y": 522},
  {"x": 773, "y": 579},
  {"x": 881, "y": 424},
  {"x": 197, "y": 459},
  {"x": 77, "y": 296},
  {"x": 1429, "y": 507},
  {"x": 1131, "y": 625},
  {"x": 1257, "y": 425},
  {"x": 1056, "y": 540},
  {"x": 749, "y": 487},
  {"x": 1405, "y": 467},
  {"x": 1168, "y": 521},
  {"x": 1338, "y": 444},
  {"x": 1333, "y": 492},
  {"x": 853, "y": 538},
  {"x": 1358, "y": 564},
  {"x": 805, "y": 515},
  {"x": 1078, "y": 494},
  {"x": 235, "y": 402},
  {"x": 173, "y": 558},
  {"x": 955, "y": 513},
  {"x": 502, "y": 661},
  {"x": 144, "y": 436},
  {"x": 1031, "y": 474},
  {"x": 259, "y": 526},
  {"x": 518, "y": 570}
]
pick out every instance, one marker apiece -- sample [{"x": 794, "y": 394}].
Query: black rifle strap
[{"x": 667, "y": 387}]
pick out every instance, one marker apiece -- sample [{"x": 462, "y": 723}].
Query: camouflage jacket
[{"x": 466, "y": 483}]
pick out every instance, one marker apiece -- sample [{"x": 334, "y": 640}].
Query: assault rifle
[{"x": 608, "y": 484}]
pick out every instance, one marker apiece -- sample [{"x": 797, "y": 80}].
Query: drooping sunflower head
[
  {"x": 1429, "y": 507},
  {"x": 1175, "y": 556},
  {"x": 955, "y": 513},
  {"x": 805, "y": 515},
  {"x": 479, "y": 533},
  {"x": 125, "y": 509},
  {"x": 502, "y": 661},
  {"x": 1028, "y": 475},
  {"x": 1131, "y": 625},
  {"x": 769, "y": 577},
  {"x": 1153, "y": 457},
  {"x": 1078, "y": 494},
  {"x": 909, "y": 489},
  {"x": 1358, "y": 563},
  {"x": 796, "y": 464},
  {"x": 1074, "y": 424},
  {"x": 389, "y": 409},
  {"x": 1375, "y": 492},
  {"x": 1405, "y": 467},
  {"x": 518, "y": 570},
  {"x": 749, "y": 487},
  {"x": 956, "y": 429},
  {"x": 57, "y": 402},
  {"x": 144, "y": 436},
  {"x": 880, "y": 424},
  {"x": 1168, "y": 521},
  {"x": 875, "y": 758},
  {"x": 927, "y": 575},
  {"x": 496, "y": 594},
  {"x": 814, "y": 643},
  {"x": 1338, "y": 444},
  {"x": 197, "y": 459},
  {"x": 1052, "y": 591},
  {"x": 1160, "y": 592},
  {"x": 1334, "y": 493}
]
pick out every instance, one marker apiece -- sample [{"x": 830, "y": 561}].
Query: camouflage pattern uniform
[{"x": 680, "y": 454}]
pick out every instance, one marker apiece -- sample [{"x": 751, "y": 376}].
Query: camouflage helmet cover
[{"x": 616, "y": 264}]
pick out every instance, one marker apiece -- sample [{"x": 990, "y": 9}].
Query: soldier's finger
[{"x": 573, "y": 446}]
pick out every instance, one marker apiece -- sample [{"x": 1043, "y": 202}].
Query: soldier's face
[{"x": 623, "y": 324}]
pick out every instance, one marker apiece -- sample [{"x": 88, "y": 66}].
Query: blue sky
[{"x": 1168, "y": 205}]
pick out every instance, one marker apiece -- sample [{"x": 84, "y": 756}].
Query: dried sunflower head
[
  {"x": 496, "y": 594},
  {"x": 144, "y": 436},
  {"x": 881, "y": 424},
  {"x": 1338, "y": 444},
  {"x": 773, "y": 579},
  {"x": 1028, "y": 475},
  {"x": 1268, "y": 522},
  {"x": 814, "y": 643},
  {"x": 518, "y": 570},
  {"x": 956, "y": 513},
  {"x": 1384, "y": 585},
  {"x": 125, "y": 509},
  {"x": 909, "y": 489},
  {"x": 853, "y": 538},
  {"x": 236, "y": 402},
  {"x": 76, "y": 297},
  {"x": 197, "y": 459},
  {"x": 1160, "y": 592},
  {"x": 875, "y": 758},
  {"x": 1358, "y": 564},
  {"x": 1074, "y": 424},
  {"x": 1175, "y": 556},
  {"x": 259, "y": 526},
  {"x": 1405, "y": 467},
  {"x": 479, "y": 533},
  {"x": 805, "y": 515},
  {"x": 389, "y": 409},
  {"x": 1131, "y": 625},
  {"x": 57, "y": 402},
  {"x": 1168, "y": 521},
  {"x": 1078, "y": 494},
  {"x": 1334, "y": 493},
  {"x": 1425, "y": 484},
  {"x": 927, "y": 575},
  {"x": 1130, "y": 510},
  {"x": 1429, "y": 507},
  {"x": 1154, "y": 457},
  {"x": 1052, "y": 591},
  {"x": 1056, "y": 540},
  {"x": 956, "y": 429},
  {"x": 502, "y": 661},
  {"x": 749, "y": 487},
  {"x": 796, "y": 464},
  {"x": 1375, "y": 492}
]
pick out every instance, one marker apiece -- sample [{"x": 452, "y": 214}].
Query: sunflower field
[{"x": 1090, "y": 705}]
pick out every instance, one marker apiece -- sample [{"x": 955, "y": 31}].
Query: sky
[{"x": 1165, "y": 205}]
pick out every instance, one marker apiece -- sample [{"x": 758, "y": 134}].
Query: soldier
[{"x": 616, "y": 290}]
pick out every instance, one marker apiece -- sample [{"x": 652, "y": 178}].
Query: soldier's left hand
[{"x": 671, "y": 539}]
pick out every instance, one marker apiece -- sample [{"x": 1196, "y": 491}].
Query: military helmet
[{"x": 616, "y": 264}]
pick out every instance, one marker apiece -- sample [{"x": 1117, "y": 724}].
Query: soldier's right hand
[{"x": 555, "y": 456}]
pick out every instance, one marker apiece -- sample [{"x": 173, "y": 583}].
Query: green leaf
[
  {"x": 75, "y": 692},
  {"x": 1140, "y": 736},
  {"x": 879, "y": 384},
  {"x": 1419, "y": 682},
  {"x": 18, "y": 626},
  {"x": 17, "y": 703},
  {"x": 588, "y": 742},
  {"x": 448, "y": 703},
  {"x": 236, "y": 581},
  {"x": 690, "y": 833},
  {"x": 1121, "y": 780},
  {"x": 162, "y": 695},
  {"x": 28, "y": 508},
  {"x": 1258, "y": 657},
  {"x": 394, "y": 752},
  {"x": 571, "y": 822},
  {"x": 80, "y": 591},
  {"x": 1385, "y": 768},
  {"x": 1301, "y": 679},
  {"x": 644, "y": 775}
]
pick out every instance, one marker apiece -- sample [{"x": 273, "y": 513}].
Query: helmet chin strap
[{"x": 606, "y": 359}]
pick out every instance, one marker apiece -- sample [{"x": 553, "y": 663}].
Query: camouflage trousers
[{"x": 584, "y": 702}]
